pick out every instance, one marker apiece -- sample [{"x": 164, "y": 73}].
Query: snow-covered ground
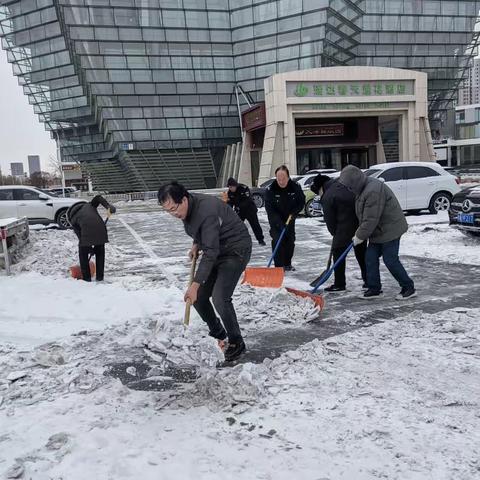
[{"x": 396, "y": 400}]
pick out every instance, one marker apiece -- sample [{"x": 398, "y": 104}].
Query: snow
[{"x": 396, "y": 400}]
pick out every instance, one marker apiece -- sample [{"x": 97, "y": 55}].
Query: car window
[
  {"x": 371, "y": 171},
  {"x": 421, "y": 172},
  {"x": 308, "y": 181},
  {"x": 24, "y": 194},
  {"x": 267, "y": 183},
  {"x": 6, "y": 194},
  {"x": 392, "y": 174}
]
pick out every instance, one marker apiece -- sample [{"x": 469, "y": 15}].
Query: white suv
[
  {"x": 39, "y": 207},
  {"x": 418, "y": 185}
]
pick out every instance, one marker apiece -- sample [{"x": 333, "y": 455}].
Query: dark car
[
  {"x": 464, "y": 211},
  {"x": 258, "y": 193}
]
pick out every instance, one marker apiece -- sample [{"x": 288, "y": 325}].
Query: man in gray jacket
[
  {"x": 382, "y": 223},
  {"x": 226, "y": 246}
]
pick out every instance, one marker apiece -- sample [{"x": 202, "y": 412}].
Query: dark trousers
[
  {"x": 283, "y": 257},
  {"x": 219, "y": 287},
  {"x": 84, "y": 253},
  {"x": 389, "y": 252},
  {"x": 360, "y": 251},
  {"x": 252, "y": 219}
]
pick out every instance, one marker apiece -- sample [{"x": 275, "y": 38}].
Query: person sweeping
[
  {"x": 226, "y": 246},
  {"x": 92, "y": 234}
]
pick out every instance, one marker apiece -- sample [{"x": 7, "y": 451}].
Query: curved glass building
[{"x": 142, "y": 91}]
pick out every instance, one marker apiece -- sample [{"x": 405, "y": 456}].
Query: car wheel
[
  {"x": 258, "y": 200},
  {"x": 310, "y": 211},
  {"x": 440, "y": 202},
  {"x": 62, "y": 220}
]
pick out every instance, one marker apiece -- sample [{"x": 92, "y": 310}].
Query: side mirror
[
  {"x": 44, "y": 197},
  {"x": 381, "y": 179}
]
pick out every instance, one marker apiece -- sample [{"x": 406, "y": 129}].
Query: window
[
  {"x": 420, "y": 172},
  {"x": 6, "y": 194},
  {"x": 24, "y": 194},
  {"x": 371, "y": 171},
  {"x": 392, "y": 174}
]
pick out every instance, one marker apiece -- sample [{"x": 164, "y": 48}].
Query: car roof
[
  {"x": 386, "y": 166},
  {"x": 18, "y": 186}
]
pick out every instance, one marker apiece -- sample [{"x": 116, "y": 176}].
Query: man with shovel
[
  {"x": 338, "y": 204},
  {"x": 226, "y": 246}
]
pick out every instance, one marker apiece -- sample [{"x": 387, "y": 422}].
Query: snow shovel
[
  {"x": 317, "y": 298},
  {"x": 329, "y": 263},
  {"x": 266, "y": 276},
  {"x": 76, "y": 271},
  {"x": 188, "y": 304}
]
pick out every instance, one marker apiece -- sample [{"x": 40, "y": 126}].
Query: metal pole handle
[{"x": 277, "y": 246}]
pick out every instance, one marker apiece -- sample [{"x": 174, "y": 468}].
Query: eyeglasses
[{"x": 173, "y": 209}]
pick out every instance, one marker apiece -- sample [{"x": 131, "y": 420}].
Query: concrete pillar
[{"x": 245, "y": 167}]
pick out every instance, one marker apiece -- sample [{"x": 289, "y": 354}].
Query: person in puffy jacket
[
  {"x": 92, "y": 234},
  {"x": 283, "y": 198},
  {"x": 338, "y": 204},
  {"x": 382, "y": 223}
]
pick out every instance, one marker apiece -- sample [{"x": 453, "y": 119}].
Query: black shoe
[
  {"x": 262, "y": 243},
  {"x": 289, "y": 268},
  {"x": 406, "y": 293},
  {"x": 364, "y": 286},
  {"x": 370, "y": 294},
  {"x": 334, "y": 288},
  {"x": 234, "y": 350}
]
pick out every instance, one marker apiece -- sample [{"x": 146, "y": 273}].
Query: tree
[{"x": 40, "y": 179}]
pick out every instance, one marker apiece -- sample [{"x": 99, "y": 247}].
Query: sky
[{"x": 21, "y": 134}]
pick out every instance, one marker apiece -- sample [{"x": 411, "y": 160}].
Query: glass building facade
[{"x": 142, "y": 91}]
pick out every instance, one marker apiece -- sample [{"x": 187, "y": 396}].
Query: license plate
[{"x": 465, "y": 218}]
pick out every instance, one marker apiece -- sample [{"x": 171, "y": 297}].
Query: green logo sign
[{"x": 301, "y": 90}]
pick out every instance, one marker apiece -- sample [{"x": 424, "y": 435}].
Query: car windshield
[
  {"x": 267, "y": 183},
  {"x": 371, "y": 171}
]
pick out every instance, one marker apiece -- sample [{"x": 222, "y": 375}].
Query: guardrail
[{"x": 14, "y": 234}]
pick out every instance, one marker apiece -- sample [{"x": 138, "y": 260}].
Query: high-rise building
[
  {"x": 33, "y": 164},
  {"x": 17, "y": 169},
  {"x": 470, "y": 92},
  {"x": 142, "y": 91}
]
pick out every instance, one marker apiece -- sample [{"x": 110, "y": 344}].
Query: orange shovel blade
[
  {"x": 317, "y": 299},
  {"x": 264, "y": 277},
  {"x": 76, "y": 272}
]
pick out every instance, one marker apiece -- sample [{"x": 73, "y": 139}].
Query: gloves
[
  {"x": 357, "y": 241},
  {"x": 112, "y": 209}
]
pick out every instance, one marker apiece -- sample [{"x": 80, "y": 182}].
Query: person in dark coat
[
  {"x": 226, "y": 246},
  {"x": 382, "y": 223},
  {"x": 240, "y": 200},
  {"x": 92, "y": 234},
  {"x": 283, "y": 198},
  {"x": 338, "y": 204}
]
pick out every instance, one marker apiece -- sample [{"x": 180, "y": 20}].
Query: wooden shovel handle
[{"x": 188, "y": 304}]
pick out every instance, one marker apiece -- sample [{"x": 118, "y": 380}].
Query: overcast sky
[{"x": 21, "y": 133}]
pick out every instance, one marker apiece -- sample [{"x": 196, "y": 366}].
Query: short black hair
[
  {"x": 284, "y": 168},
  {"x": 174, "y": 190},
  {"x": 231, "y": 182}
]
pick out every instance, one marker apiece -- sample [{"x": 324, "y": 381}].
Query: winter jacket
[
  {"x": 86, "y": 222},
  {"x": 338, "y": 204},
  {"x": 282, "y": 202},
  {"x": 216, "y": 229},
  {"x": 380, "y": 216},
  {"x": 241, "y": 200}
]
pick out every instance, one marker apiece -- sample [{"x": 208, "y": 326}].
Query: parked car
[
  {"x": 63, "y": 191},
  {"x": 21, "y": 201},
  {"x": 324, "y": 171},
  {"x": 313, "y": 207},
  {"x": 418, "y": 185},
  {"x": 464, "y": 212}
]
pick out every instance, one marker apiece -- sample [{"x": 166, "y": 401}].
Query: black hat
[
  {"x": 231, "y": 182},
  {"x": 318, "y": 182}
]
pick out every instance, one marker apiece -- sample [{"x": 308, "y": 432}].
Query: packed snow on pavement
[{"x": 397, "y": 399}]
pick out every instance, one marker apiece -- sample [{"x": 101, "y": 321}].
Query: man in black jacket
[
  {"x": 223, "y": 238},
  {"x": 92, "y": 234},
  {"x": 283, "y": 198},
  {"x": 338, "y": 204},
  {"x": 240, "y": 200}
]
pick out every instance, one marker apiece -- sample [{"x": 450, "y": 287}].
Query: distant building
[
  {"x": 17, "y": 169},
  {"x": 33, "y": 164},
  {"x": 469, "y": 94}
]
